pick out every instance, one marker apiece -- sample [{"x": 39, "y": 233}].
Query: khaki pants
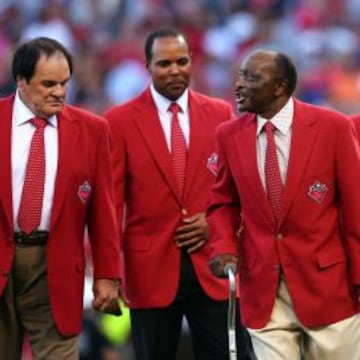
[
  {"x": 25, "y": 306},
  {"x": 283, "y": 337}
]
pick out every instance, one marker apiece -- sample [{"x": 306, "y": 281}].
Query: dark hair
[
  {"x": 287, "y": 71},
  {"x": 27, "y": 55},
  {"x": 161, "y": 33}
]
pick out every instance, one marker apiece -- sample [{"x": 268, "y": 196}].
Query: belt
[{"x": 32, "y": 239}]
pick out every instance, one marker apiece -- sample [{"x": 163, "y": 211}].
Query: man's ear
[
  {"x": 281, "y": 88},
  {"x": 20, "y": 83}
]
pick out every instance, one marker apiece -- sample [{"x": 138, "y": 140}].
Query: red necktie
[
  {"x": 178, "y": 147},
  {"x": 274, "y": 186},
  {"x": 33, "y": 189}
]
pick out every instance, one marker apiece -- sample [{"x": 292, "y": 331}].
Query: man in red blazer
[
  {"x": 164, "y": 237},
  {"x": 42, "y": 265},
  {"x": 299, "y": 261}
]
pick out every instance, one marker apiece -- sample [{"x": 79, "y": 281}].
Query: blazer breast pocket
[{"x": 330, "y": 258}]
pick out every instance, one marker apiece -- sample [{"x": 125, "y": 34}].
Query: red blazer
[
  {"x": 319, "y": 264},
  {"x": 145, "y": 187},
  {"x": 84, "y": 156},
  {"x": 356, "y": 120}
]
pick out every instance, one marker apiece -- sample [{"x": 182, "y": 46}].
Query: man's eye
[
  {"x": 163, "y": 64},
  {"x": 183, "y": 62},
  {"x": 247, "y": 76},
  {"x": 250, "y": 77}
]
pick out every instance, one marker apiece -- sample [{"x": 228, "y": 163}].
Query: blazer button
[
  {"x": 5, "y": 273},
  {"x": 279, "y": 236}
]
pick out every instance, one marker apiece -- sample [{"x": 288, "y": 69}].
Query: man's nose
[
  {"x": 59, "y": 90},
  {"x": 174, "y": 69},
  {"x": 240, "y": 82}
]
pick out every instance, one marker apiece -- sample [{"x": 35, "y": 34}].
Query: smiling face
[
  {"x": 259, "y": 87},
  {"x": 170, "y": 66},
  {"x": 44, "y": 93}
]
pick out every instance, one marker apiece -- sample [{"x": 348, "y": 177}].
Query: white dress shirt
[
  {"x": 165, "y": 116},
  {"x": 21, "y": 136},
  {"x": 283, "y": 126}
]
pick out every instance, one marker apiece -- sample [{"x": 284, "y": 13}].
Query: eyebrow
[{"x": 53, "y": 82}]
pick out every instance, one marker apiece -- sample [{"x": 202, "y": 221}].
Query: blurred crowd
[{"x": 106, "y": 38}]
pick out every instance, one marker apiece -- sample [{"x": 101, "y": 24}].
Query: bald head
[
  {"x": 279, "y": 63},
  {"x": 266, "y": 81}
]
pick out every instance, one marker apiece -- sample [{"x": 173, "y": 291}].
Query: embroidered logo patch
[
  {"x": 317, "y": 191},
  {"x": 212, "y": 163},
  {"x": 84, "y": 192}
]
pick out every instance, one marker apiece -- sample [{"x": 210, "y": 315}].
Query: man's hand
[
  {"x": 193, "y": 234},
  {"x": 107, "y": 293},
  {"x": 218, "y": 263}
]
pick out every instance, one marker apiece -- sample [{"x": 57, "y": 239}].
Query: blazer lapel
[
  {"x": 199, "y": 133},
  {"x": 68, "y": 135},
  {"x": 302, "y": 140},
  {"x": 246, "y": 147},
  {"x": 5, "y": 163},
  {"x": 148, "y": 123}
]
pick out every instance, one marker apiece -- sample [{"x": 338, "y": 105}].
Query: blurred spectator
[
  {"x": 51, "y": 22},
  {"x": 129, "y": 72},
  {"x": 106, "y": 37}
]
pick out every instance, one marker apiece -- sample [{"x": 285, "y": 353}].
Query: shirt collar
[
  {"x": 162, "y": 103},
  {"x": 23, "y": 114},
  {"x": 282, "y": 120}
]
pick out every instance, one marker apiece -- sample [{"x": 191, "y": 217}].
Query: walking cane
[{"x": 230, "y": 270}]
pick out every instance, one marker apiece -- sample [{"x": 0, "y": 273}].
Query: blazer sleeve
[
  {"x": 347, "y": 169},
  {"x": 223, "y": 214},
  {"x": 102, "y": 225},
  {"x": 118, "y": 162}
]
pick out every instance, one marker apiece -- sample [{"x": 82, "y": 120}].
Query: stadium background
[{"x": 106, "y": 38}]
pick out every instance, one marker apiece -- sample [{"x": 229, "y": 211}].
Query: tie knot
[
  {"x": 174, "y": 108},
  {"x": 39, "y": 123},
  {"x": 269, "y": 127}
]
